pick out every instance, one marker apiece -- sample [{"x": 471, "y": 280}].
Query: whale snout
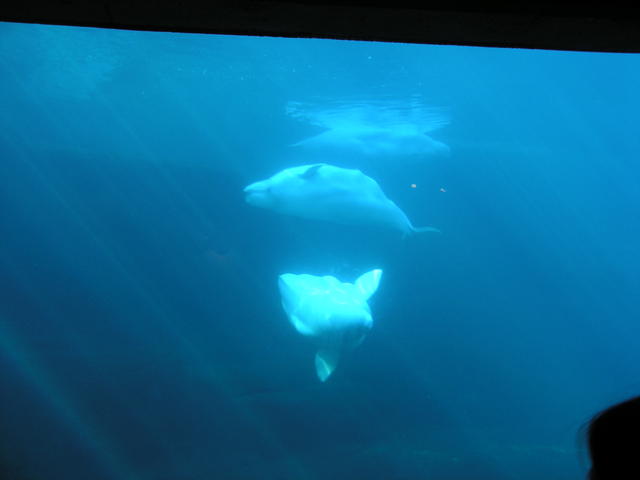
[
  {"x": 251, "y": 187},
  {"x": 254, "y": 187},
  {"x": 258, "y": 194}
]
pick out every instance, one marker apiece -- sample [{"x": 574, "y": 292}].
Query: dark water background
[{"x": 141, "y": 332}]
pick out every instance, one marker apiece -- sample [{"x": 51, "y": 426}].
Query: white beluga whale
[
  {"x": 326, "y": 192},
  {"x": 334, "y": 315},
  {"x": 373, "y": 141},
  {"x": 387, "y": 129}
]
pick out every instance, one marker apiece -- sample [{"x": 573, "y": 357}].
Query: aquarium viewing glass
[{"x": 229, "y": 257}]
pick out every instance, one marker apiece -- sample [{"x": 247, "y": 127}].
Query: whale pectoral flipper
[
  {"x": 326, "y": 362},
  {"x": 368, "y": 283},
  {"x": 300, "y": 326}
]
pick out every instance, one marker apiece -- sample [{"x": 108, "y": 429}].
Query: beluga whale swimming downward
[
  {"x": 325, "y": 192},
  {"x": 333, "y": 314}
]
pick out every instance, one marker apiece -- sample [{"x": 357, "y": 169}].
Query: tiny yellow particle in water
[{"x": 413, "y": 185}]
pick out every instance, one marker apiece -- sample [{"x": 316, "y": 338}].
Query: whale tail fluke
[{"x": 326, "y": 362}]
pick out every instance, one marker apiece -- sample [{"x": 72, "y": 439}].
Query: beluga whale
[
  {"x": 325, "y": 192},
  {"x": 405, "y": 141},
  {"x": 386, "y": 129},
  {"x": 334, "y": 315}
]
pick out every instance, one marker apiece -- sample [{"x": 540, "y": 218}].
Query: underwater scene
[{"x": 228, "y": 257}]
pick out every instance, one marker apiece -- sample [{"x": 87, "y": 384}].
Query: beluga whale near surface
[
  {"x": 335, "y": 315},
  {"x": 325, "y": 192},
  {"x": 405, "y": 141},
  {"x": 387, "y": 129}
]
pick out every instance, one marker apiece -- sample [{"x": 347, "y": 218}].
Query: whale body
[
  {"x": 326, "y": 192},
  {"x": 396, "y": 129},
  {"x": 335, "y": 315},
  {"x": 369, "y": 141}
]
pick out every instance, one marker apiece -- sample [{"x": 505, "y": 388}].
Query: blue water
[{"x": 141, "y": 331}]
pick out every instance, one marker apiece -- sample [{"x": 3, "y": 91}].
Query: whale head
[
  {"x": 286, "y": 190},
  {"x": 260, "y": 194}
]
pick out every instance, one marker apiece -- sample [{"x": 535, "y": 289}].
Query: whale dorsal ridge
[{"x": 311, "y": 171}]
